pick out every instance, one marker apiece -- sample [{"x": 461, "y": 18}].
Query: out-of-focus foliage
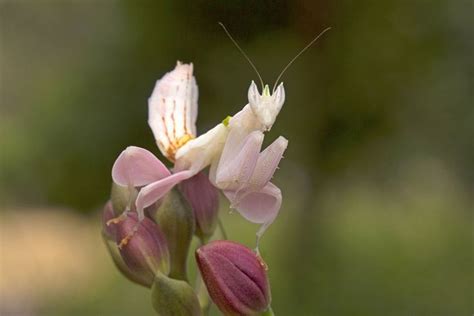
[{"x": 377, "y": 180}]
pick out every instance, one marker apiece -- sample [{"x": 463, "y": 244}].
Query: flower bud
[
  {"x": 176, "y": 219},
  {"x": 108, "y": 214},
  {"x": 235, "y": 277},
  {"x": 109, "y": 233},
  {"x": 172, "y": 297},
  {"x": 122, "y": 198},
  {"x": 204, "y": 200},
  {"x": 143, "y": 247}
]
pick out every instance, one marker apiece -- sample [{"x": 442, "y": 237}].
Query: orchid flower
[{"x": 232, "y": 149}]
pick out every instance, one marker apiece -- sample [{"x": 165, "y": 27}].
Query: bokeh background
[{"x": 378, "y": 178}]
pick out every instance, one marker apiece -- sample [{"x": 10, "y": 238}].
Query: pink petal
[
  {"x": 267, "y": 163},
  {"x": 233, "y": 173},
  {"x": 136, "y": 166},
  {"x": 156, "y": 190},
  {"x": 259, "y": 207},
  {"x": 204, "y": 200}
]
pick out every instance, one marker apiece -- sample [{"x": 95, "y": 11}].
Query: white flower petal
[{"x": 172, "y": 109}]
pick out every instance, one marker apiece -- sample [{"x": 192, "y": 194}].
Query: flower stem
[
  {"x": 200, "y": 288},
  {"x": 222, "y": 228},
  {"x": 202, "y": 295},
  {"x": 268, "y": 312}
]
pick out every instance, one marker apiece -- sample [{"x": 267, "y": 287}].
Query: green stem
[
  {"x": 200, "y": 287},
  {"x": 202, "y": 295},
  {"x": 221, "y": 227},
  {"x": 268, "y": 312}
]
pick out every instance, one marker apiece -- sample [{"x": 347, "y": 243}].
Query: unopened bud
[
  {"x": 123, "y": 198},
  {"x": 109, "y": 233},
  {"x": 143, "y": 246},
  {"x": 108, "y": 214},
  {"x": 172, "y": 297},
  {"x": 176, "y": 220},
  {"x": 204, "y": 200},
  {"x": 235, "y": 277}
]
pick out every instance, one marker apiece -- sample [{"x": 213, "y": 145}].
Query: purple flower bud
[
  {"x": 143, "y": 246},
  {"x": 204, "y": 200},
  {"x": 235, "y": 277},
  {"x": 108, "y": 214},
  {"x": 109, "y": 234}
]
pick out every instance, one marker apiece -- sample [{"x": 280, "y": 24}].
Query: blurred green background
[{"x": 377, "y": 181}]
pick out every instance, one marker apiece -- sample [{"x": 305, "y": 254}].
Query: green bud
[
  {"x": 172, "y": 297},
  {"x": 176, "y": 220},
  {"x": 122, "y": 198}
]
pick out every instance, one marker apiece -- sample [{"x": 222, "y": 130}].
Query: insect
[{"x": 232, "y": 148}]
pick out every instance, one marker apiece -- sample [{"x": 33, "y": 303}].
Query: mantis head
[{"x": 266, "y": 106}]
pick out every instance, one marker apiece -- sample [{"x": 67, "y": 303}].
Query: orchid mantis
[{"x": 232, "y": 149}]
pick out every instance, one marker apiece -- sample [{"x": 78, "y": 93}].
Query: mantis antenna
[
  {"x": 243, "y": 53},
  {"x": 298, "y": 55}
]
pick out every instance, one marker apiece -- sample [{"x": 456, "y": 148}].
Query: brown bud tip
[{"x": 235, "y": 277}]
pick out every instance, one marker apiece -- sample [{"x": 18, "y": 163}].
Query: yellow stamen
[
  {"x": 125, "y": 241},
  {"x": 177, "y": 144},
  {"x": 117, "y": 219},
  {"x": 127, "y": 238}
]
